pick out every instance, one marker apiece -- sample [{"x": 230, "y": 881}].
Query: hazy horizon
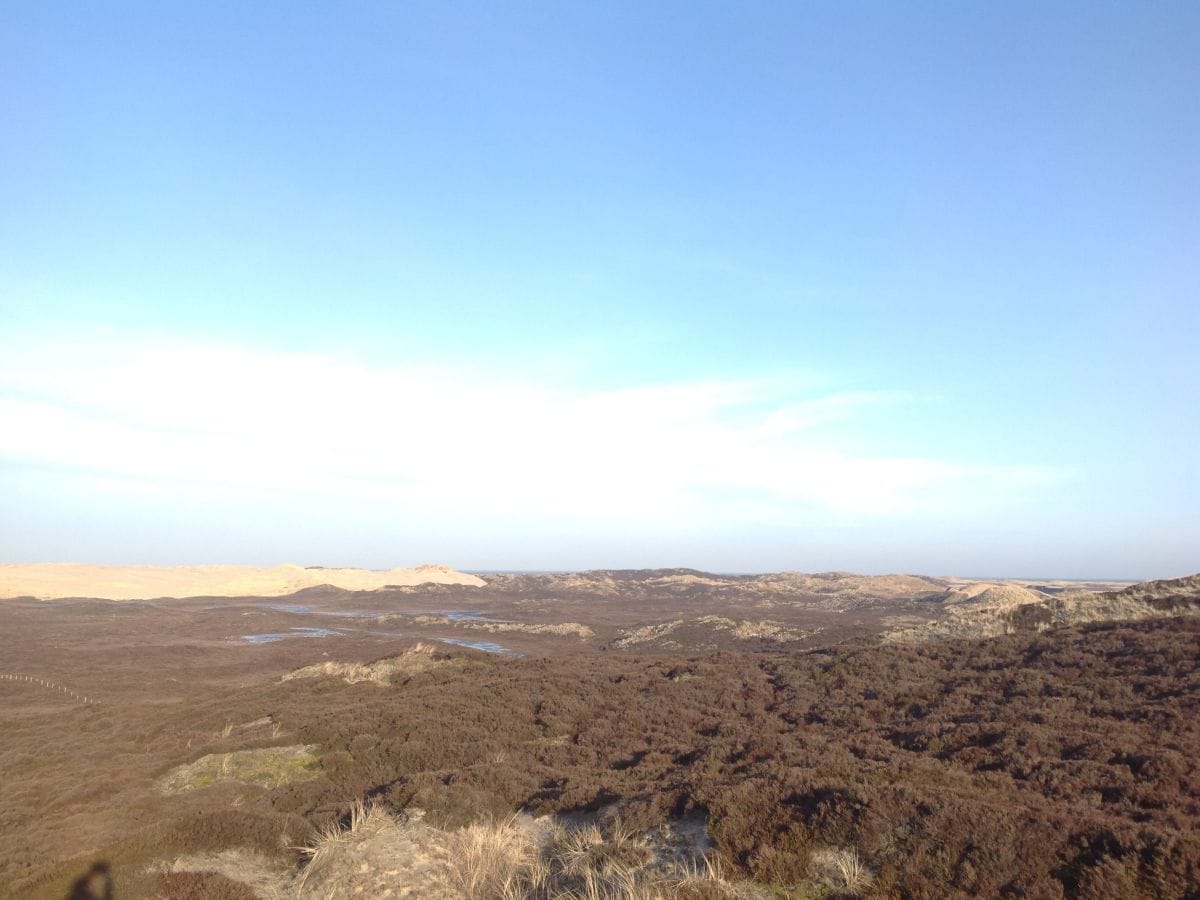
[
  {"x": 875, "y": 289},
  {"x": 469, "y": 570}
]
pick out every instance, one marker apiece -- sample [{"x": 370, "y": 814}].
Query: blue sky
[{"x": 866, "y": 286}]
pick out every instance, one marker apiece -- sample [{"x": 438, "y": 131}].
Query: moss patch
[{"x": 267, "y": 768}]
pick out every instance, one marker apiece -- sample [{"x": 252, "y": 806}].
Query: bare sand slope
[{"x": 50, "y": 581}]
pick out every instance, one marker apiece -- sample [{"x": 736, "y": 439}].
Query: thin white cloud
[{"x": 187, "y": 415}]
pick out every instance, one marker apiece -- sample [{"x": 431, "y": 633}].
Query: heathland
[{"x": 657, "y": 733}]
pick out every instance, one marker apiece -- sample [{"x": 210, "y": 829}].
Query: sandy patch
[
  {"x": 748, "y": 631},
  {"x": 563, "y": 629},
  {"x": 647, "y": 634},
  {"x": 744, "y": 629},
  {"x": 419, "y": 659}
]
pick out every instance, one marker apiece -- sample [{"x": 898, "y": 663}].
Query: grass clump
[
  {"x": 841, "y": 870},
  {"x": 498, "y": 859},
  {"x": 373, "y": 853}
]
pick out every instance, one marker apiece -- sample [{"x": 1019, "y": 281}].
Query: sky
[{"x": 742, "y": 287}]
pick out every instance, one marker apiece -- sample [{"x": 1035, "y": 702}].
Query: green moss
[{"x": 266, "y": 768}]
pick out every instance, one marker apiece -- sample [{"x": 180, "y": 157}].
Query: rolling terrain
[{"x": 808, "y": 735}]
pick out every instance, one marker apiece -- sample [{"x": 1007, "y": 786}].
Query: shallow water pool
[
  {"x": 486, "y": 646},
  {"x": 295, "y": 632}
]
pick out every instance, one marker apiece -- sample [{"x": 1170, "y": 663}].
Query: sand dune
[
  {"x": 56, "y": 580},
  {"x": 989, "y": 609},
  {"x": 997, "y": 596}
]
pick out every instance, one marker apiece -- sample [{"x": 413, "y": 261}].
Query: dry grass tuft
[
  {"x": 323, "y": 852},
  {"x": 586, "y": 851},
  {"x": 496, "y": 860},
  {"x": 841, "y": 869},
  {"x": 709, "y": 883},
  {"x": 376, "y": 855},
  {"x": 517, "y": 858},
  {"x": 504, "y": 861}
]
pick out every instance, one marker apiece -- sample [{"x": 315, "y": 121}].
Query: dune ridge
[{"x": 52, "y": 581}]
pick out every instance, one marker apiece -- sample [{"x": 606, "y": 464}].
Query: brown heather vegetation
[
  {"x": 1020, "y": 766},
  {"x": 1043, "y": 765}
]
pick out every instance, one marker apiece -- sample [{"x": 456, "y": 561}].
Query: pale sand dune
[
  {"x": 49, "y": 581},
  {"x": 994, "y": 595}
]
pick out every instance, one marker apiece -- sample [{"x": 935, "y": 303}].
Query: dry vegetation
[
  {"x": 378, "y": 854},
  {"x": 417, "y": 659},
  {"x": 575, "y": 629},
  {"x": 1034, "y": 764},
  {"x": 707, "y": 633},
  {"x": 987, "y": 610}
]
